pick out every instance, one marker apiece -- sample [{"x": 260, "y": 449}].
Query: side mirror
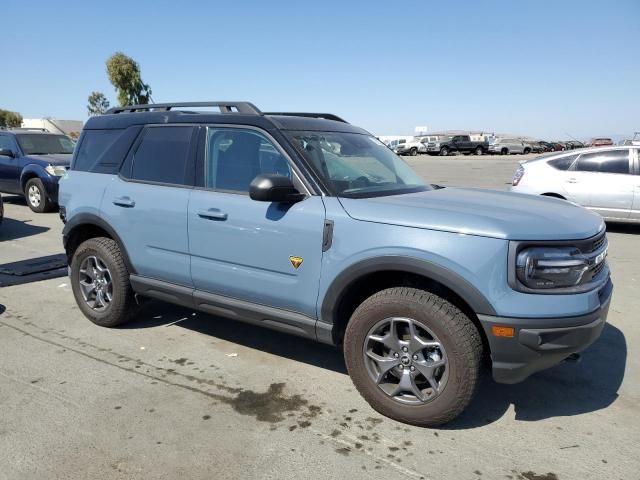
[
  {"x": 274, "y": 188},
  {"x": 7, "y": 153}
]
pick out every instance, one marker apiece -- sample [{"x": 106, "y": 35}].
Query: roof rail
[
  {"x": 326, "y": 116},
  {"x": 225, "y": 107},
  {"x": 28, "y": 129}
]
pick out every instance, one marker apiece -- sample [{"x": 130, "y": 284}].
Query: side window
[
  {"x": 563, "y": 163},
  {"x": 6, "y": 143},
  {"x": 163, "y": 155},
  {"x": 236, "y": 156},
  {"x": 93, "y": 145},
  {"x": 615, "y": 161}
]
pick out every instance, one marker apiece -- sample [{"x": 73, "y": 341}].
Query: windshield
[
  {"x": 355, "y": 165},
  {"x": 42, "y": 144}
]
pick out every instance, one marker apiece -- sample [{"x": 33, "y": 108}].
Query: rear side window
[
  {"x": 616, "y": 161},
  {"x": 163, "y": 155},
  {"x": 563, "y": 163},
  {"x": 93, "y": 145}
]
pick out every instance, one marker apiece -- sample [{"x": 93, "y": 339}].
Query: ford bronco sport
[{"x": 306, "y": 224}]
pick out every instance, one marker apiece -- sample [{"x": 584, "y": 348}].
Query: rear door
[
  {"x": 602, "y": 181},
  {"x": 147, "y": 203},
  {"x": 249, "y": 250}
]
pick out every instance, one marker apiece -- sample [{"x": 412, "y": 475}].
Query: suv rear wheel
[
  {"x": 413, "y": 152},
  {"x": 413, "y": 356},
  {"x": 479, "y": 151},
  {"x": 100, "y": 282},
  {"x": 36, "y": 196},
  {"x": 444, "y": 151}
]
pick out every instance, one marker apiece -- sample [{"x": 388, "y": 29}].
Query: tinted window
[
  {"x": 235, "y": 157},
  {"x": 93, "y": 145},
  {"x": 37, "y": 143},
  {"x": 6, "y": 143},
  {"x": 616, "y": 161},
  {"x": 563, "y": 163},
  {"x": 163, "y": 155}
]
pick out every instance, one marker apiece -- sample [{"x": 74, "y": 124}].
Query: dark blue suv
[{"x": 31, "y": 163}]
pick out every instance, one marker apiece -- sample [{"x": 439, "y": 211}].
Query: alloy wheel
[
  {"x": 406, "y": 360},
  {"x": 96, "y": 283},
  {"x": 35, "y": 197}
]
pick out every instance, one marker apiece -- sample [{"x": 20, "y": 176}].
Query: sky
[{"x": 546, "y": 68}]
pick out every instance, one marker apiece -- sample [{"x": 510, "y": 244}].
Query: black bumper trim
[{"x": 540, "y": 343}]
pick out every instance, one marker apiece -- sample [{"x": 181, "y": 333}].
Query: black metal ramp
[{"x": 33, "y": 270}]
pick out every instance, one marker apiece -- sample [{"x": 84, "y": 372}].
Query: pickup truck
[{"x": 457, "y": 143}]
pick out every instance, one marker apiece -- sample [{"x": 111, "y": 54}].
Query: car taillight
[{"x": 517, "y": 176}]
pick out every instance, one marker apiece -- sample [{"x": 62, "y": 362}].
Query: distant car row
[{"x": 446, "y": 145}]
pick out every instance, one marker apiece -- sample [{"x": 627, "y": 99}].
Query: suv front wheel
[
  {"x": 413, "y": 356},
  {"x": 100, "y": 282},
  {"x": 36, "y": 196}
]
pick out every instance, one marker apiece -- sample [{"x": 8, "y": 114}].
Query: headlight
[
  {"x": 548, "y": 267},
  {"x": 559, "y": 268},
  {"x": 55, "y": 170}
]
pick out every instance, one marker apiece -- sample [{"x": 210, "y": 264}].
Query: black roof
[{"x": 243, "y": 113}]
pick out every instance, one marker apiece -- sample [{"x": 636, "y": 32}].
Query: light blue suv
[{"x": 306, "y": 224}]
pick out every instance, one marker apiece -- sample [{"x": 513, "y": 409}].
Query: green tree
[
  {"x": 98, "y": 104},
  {"x": 10, "y": 119},
  {"x": 124, "y": 75}
]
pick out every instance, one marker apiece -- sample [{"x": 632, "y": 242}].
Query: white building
[{"x": 64, "y": 127}]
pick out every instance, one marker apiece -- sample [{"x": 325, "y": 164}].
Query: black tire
[
  {"x": 39, "y": 202},
  {"x": 527, "y": 151},
  {"x": 123, "y": 304},
  {"x": 504, "y": 151},
  {"x": 413, "y": 152},
  {"x": 444, "y": 151},
  {"x": 479, "y": 151},
  {"x": 457, "y": 334}
]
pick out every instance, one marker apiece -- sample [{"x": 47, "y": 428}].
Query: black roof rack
[
  {"x": 326, "y": 116},
  {"x": 225, "y": 107}
]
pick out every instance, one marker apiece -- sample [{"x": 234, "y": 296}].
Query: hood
[
  {"x": 63, "y": 159},
  {"x": 488, "y": 213}
]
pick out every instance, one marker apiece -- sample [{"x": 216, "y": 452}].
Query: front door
[
  {"x": 10, "y": 167},
  {"x": 259, "y": 252},
  {"x": 603, "y": 182}
]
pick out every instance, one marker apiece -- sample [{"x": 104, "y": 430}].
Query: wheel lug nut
[
  {"x": 401, "y": 367},
  {"x": 415, "y": 357},
  {"x": 413, "y": 368},
  {"x": 405, "y": 349},
  {"x": 395, "y": 354}
]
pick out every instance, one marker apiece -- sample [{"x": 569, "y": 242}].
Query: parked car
[
  {"x": 604, "y": 180},
  {"x": 410, "y": 147},
  {"x": 456, "y": 143},
  {"x": 260, "y": 217},
  {"x": 601, "y": 142},
  {"x": 31, "y": 163},
  {"x": 548, "y": 146},
  {"x": 573, "y": 144},
  {"x": 507, "y": 146}
]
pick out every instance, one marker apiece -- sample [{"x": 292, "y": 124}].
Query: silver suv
[{"x": 505, "y": 146}]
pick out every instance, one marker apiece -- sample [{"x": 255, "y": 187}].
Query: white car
[{"x": 603, "y": 179}]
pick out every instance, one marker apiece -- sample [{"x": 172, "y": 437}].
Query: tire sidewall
[
  {"x": 364, "y": 319},
  {"x": 106, "y": 317}
]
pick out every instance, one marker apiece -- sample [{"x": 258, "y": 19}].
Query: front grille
[
  {"x": 597, "y": 269},
  {"x": 599, "y": 242}
]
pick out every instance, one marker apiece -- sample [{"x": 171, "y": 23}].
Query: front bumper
[
  {"x": 51, "y": 186},
  {"x": 541, "y": 343}
]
